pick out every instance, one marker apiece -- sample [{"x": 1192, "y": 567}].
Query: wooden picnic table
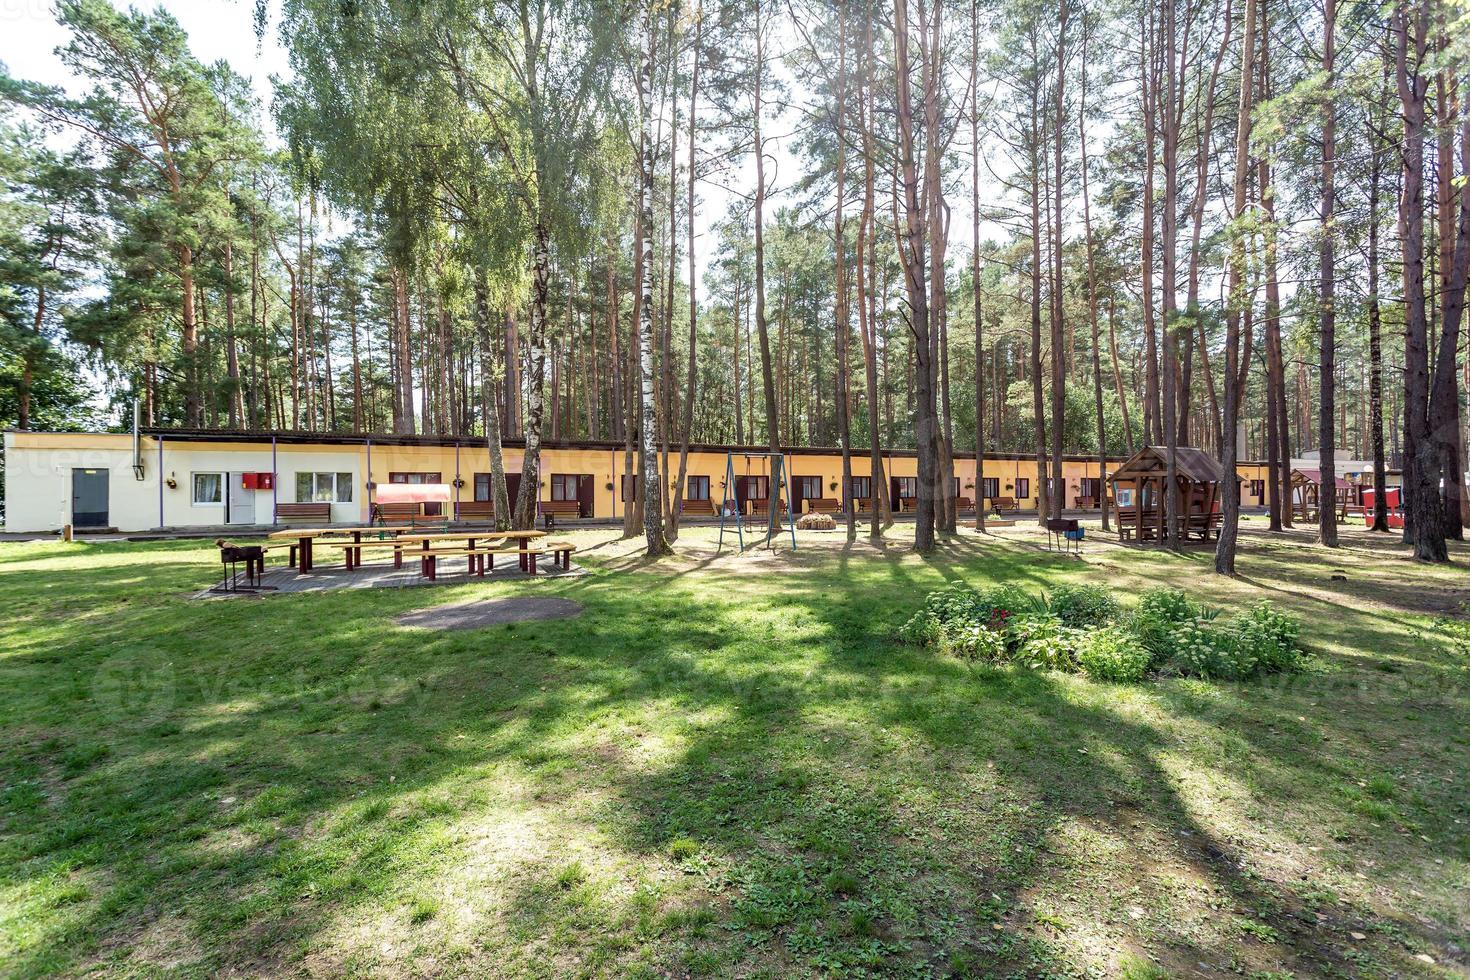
[
  {"x": 470, "y": 536},
  {"x": 306, "y": 535}
]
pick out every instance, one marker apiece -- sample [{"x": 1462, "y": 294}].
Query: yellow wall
[{"x": 43, "y": 452}]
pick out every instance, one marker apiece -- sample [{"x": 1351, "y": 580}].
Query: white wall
[
  {"x": 38, "y": 479},
  {"x": 38, "y": 484}
]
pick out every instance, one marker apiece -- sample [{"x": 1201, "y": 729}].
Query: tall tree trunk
[
  {"x": 1171, "y": 114},
  {"x": 1151, "y": 395},
  {"x": 688, "y": 423},
  {"x": 773, "y": 418},
  {"x": 912, "y": 257},
  {"x": 529, "y": 491},
  {"x": 1444, "y": 399},
  {"x": 881, "y": 515},
  {"x": 1423, "y": 505},
  {"x": 975, "y": 264},
  {"x": 1327, "y": 291},
  {"x": 938, "y": 228},
  {"x": 1058, "y": 392},
  {"x": 840, "y": 290},
  {"x": 498, "y": 492},
  {"x": 1097, "y": 382},
  {"x": 1237, "y": 299},
  {"x": 1038, "y": 408},
  {"x": 650, "y": 492}
]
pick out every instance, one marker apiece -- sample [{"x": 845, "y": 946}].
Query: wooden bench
[
  {"x": 823, "y": 505},
  {"x": 760, "y": 507},
  {"x": 962, "y": 504},
  {"x": 552, "y": 509},
  {"x": 561, "y": 553},
  {"x": 429, "y": 560},
  {"x": 480, "y": 509},
  {"x": 309, "y": 511},
  {"x": 1001, "y": 504},
  {"x": 351, "y": 548},
  {"x": 384, "y": 512}
]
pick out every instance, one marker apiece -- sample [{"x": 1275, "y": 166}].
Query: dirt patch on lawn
[{"x": 491, "y": 612}]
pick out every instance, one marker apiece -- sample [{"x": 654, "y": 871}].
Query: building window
[
  {"x": 331, "y": 488},
  {"x": 808, "y": 487},
  {"x": 209, "y": 488},
  {"x": 414, "y": 478},
  {"x": 630, "y": 486},
  {"x": 698, "y": 488},
  {"x": 954, "y": 492},
  {"x": 908, "y": 487},
  {"x": 564, "y": 486},
  {"x": 861, "y": 487},
  {"x": 754, "y": 487},
  {"x": 1089, "y": 486},
  {"x": 990, "y": 487},
  {"x": 482, "y": 486},
  {"x": 1023, "y": 487},
  {"x": 1258, "y": 489}
]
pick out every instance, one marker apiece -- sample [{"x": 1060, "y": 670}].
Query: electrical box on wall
[{"x": 257, "y": 481}]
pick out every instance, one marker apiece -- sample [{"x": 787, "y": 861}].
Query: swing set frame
[{"x": 780, "y": 485}]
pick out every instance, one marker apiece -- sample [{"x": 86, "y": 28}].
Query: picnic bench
[
  {"x": 310, "y": 510},
  {"x": 760, "y": 507},
  {"x": 392, "y": 511},
  {"x": 429, "y": 560},
  {"x": 480, "y": 509}
]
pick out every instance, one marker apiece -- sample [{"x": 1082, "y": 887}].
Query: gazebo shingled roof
[{"x": 1193, "y": 464}]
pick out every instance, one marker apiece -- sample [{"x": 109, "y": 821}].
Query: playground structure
[{"x": 774, "y": 487}]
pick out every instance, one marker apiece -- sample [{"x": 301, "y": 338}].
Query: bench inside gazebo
[
  {"x": 1140, "y": 498},
  {"x": 1306, "y": 495}
]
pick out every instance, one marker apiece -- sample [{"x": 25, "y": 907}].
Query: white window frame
[
  {"x": 194, "y": 500},
  {"x": 337, "y": 485}
]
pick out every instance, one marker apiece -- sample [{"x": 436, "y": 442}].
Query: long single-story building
[{"x": 192, "y": 478}]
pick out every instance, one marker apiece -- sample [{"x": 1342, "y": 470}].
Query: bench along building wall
[{"x": 163, "y": 494}]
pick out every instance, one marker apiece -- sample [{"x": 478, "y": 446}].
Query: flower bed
[{"x": 1083, "y": 629}]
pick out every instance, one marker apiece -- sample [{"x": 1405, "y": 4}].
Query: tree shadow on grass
[{"x": 852, "y": 803}]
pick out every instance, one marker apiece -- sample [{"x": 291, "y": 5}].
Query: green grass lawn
[{"x": 725, "y": 766}]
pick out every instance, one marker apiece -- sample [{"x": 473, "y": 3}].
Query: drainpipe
[
  {"x": 160, "y": 483},
  {"x": 368, "y": 483},
  {"x": 456, "y": 479},
  {"x": 275, "y": 481}
]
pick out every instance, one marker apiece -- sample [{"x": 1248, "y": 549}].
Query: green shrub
[
  {"x": 1083, "y": 605},
  {"x": 1042, "y": 642},
  {"x": 1203, "y": 649},
  {"x": 1011, "y": 599},
  {"x": 1271, "y": 637},
  {"x": 1158, "y": 612},
  {"x": 922, "y": 630},
  {"x": 977, "y": 641},
  {"x": 1113, "y": 653},
  {"x": 954, "y": 604}
]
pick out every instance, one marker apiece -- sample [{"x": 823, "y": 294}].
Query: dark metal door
[
  {"x": 584, "y": 495},
  {"x": 89, "y": 498}
]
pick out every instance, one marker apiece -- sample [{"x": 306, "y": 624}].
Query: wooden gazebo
[
  {"x": 1140, "y": 499},
  {"x": 1306, "y": 495}
]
